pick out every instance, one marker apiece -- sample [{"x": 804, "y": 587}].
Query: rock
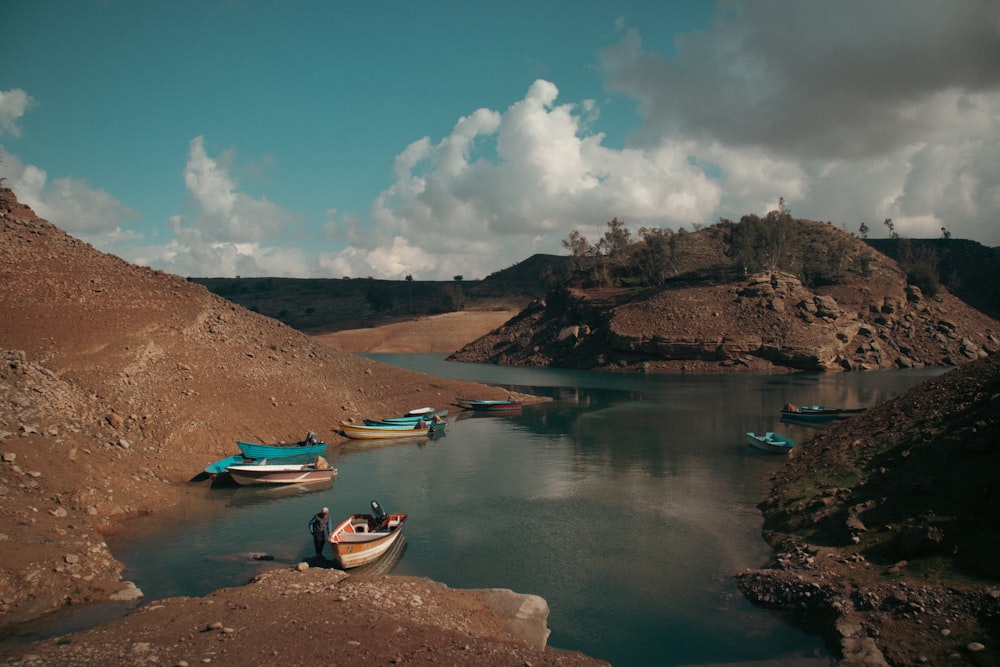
[{"x": 524, "y": 616}]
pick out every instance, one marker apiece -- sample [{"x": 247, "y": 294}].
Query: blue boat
[
  {"x": 429, "y": 425},
  {"x": 311, "y": 445},
  {"x": 773, "y": 443},
  {"x": 219, "y": 467},
  {"x": 489, "y": 405}
]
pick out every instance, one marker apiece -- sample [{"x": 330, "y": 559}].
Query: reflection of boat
[
  {"x": 366, "y": 444},
  {"x": 278, "y": 473},
  {"x": 371, "y": 432},
  {"x": 361, "y": 539},
  {"x": 311, "y": 445},
  {"x": 488, "y": 405},
  {"x": 775, "y": 443},
  {"x": 258, "y": 494}
]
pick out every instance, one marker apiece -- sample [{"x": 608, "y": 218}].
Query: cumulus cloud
[
  {"x": 228, "y": 232},
  {"x": 852, "y": 111},
  {"x": 13, "y": 104},
  {"x": 514, "y": 183},
  {"x": 70, "y": 204}
]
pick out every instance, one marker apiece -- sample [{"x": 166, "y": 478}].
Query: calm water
[{"x": 628, "y": 503}]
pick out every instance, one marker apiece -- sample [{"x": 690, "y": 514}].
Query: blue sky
[{"x": 434, "y": 139}]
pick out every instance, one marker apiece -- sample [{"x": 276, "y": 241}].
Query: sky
[{"x": 434, "y": 139}]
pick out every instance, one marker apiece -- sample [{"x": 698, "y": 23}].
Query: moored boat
[
  {"x": 369, "y": 432},
  {"x": 282, "y": 473},
  {"x": 488, "y": 405},
  {"x": 771, "y": 442},
  {"x": 220, "y": 466},
  {"x": 311, "y": 445},
  {"x": 363, "y": 538}
]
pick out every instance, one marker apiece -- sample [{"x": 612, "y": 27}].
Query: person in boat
[
  {"x": 319, "y": 527},
  {"x": 311, "y": 438}
]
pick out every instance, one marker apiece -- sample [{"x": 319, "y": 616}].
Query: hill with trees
[{"x": 762, "y": 294}]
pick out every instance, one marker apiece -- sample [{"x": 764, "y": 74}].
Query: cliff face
[{"x": 769, "y": 322}]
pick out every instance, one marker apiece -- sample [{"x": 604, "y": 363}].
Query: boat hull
[
  {"x": 250, "y": 475},
  {"x": 362, "y": 433},
  {"x": 220, "y": 467},
  {"x": 252, "y": 450},
  {"x": 488, "y": 406},
  {"x": 352, "y": 548},
  {"x": 773, "y": 443}
]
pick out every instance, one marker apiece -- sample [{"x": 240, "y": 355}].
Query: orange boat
[{"x": 364, "y": 538}]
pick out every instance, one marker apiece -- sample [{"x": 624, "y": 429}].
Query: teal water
[{"x": 628, "y": 503}]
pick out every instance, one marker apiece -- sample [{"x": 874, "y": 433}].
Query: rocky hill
[
  {"x": 871, "y": 317},
  {"x": 118, "y": 384},
  {"x": 886, "y": 528}
]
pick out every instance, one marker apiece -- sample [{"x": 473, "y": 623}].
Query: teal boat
[
  {"x": 311, "y": 445},
  {"x": 773, "y": 443}
]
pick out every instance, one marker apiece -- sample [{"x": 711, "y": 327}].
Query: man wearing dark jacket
[{"x": 319, "y": 526}]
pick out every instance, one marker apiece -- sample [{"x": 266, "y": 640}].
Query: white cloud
[
  {"x": 70, "y": 204},
  {"x": 507, "y": 185},
  {"x": 852, "y": 111},
  {"x": 13, "y": 104}
]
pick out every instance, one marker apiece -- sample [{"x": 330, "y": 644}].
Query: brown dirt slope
[
  {"x": 118, "y": 384},
  {"x": 440, "y": 334},
  {"x": 769, "y": 322}
]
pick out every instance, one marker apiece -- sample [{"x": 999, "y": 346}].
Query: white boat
[
  {"x": 282, "y": 473},
  {"x": 361, "y": 539}
]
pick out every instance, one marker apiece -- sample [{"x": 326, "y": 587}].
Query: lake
[{"x": 628, "y": 502}]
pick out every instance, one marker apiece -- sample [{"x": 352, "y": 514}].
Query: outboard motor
[{"x": 379, "y": 514}]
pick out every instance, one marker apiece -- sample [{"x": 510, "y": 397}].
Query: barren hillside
[{"x": 118, "y": 384}]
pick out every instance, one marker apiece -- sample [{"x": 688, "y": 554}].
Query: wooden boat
[
  {"x": 310, "y": 445},
  {"x": 488, "y": 405},
  {"x": 282, "y": 473},
  {"x": 368, "y": 432},
  {"x": 774, "y": 443},
  {"x": 363, "y": 538}
]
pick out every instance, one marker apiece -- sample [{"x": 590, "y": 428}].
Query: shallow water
[{"x": 628, "y": 503}]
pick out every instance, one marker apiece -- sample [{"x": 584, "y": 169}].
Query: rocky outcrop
[{"x": 769, "y": 322}]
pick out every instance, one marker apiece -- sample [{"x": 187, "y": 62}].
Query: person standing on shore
[{"x": 319, "y": 526}]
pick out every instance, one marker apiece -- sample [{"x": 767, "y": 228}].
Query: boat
[
  {"x": 818, "y": 413},
  {"x": 282, "y": 473},
  {"x": 426, "y": 412},
  {"x": 488, "y": 405},
  {"x": 219, "y": 467},
  {"x": 368, "y": 432},
  {"x": 311, "y": 445},
  {"x": 436, "y": 422},
  {"x": 412, "y": 417},
  {"x": 361, "y": 539},
  {"x": 775, "y": 443}
]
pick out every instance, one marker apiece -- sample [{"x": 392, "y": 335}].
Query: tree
[
  {"x": 579, "y": 247},
  {"x": 864, "y": 230},
  {"x": 945, "y": 233},
  {"x": 891, "y": 227}
]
